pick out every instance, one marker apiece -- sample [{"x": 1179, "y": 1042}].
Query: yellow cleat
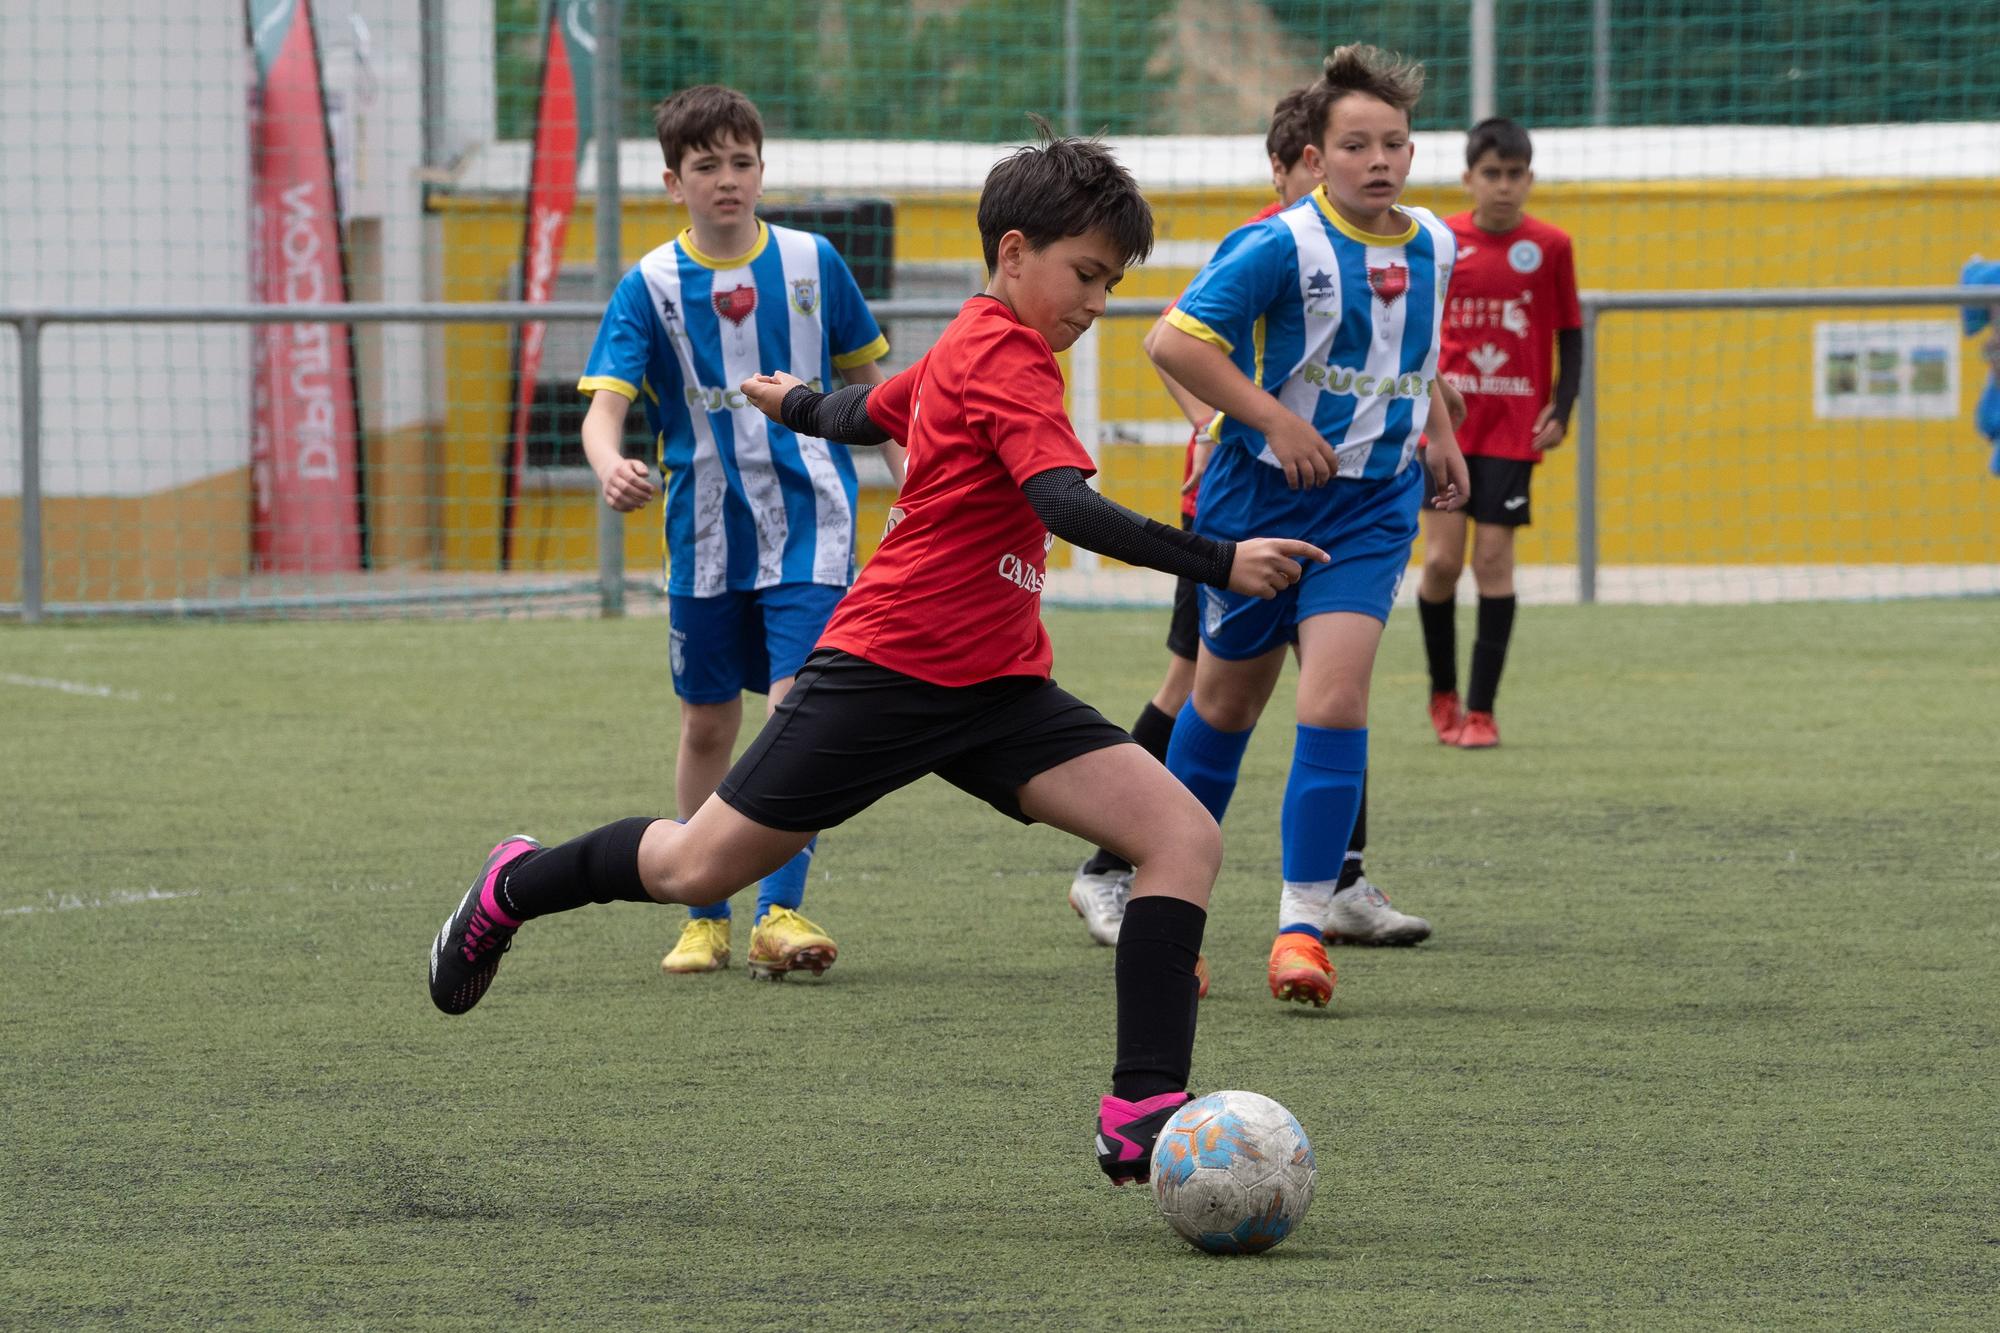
[
  {"x": 703, "y": 947},
  {"x": 785, "y": 942}
]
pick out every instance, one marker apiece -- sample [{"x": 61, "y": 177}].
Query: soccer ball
[{"x": 1233, "y": 1173}]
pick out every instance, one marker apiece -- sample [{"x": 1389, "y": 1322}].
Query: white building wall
[{"x": 125, "y": 180}]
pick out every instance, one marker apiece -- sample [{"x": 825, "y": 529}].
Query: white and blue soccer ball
[{"x": 1233, "y": 1172}]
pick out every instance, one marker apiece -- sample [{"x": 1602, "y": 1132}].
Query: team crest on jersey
[
  {"x": 735, "y": 304},
  {"x": 1390, "y": 281},
  {"x": 805, "y": 295},
  {"x": 1524, "y": 256}
]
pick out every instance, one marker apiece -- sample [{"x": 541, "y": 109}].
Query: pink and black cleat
[
  {"x": 1126, "y": 1130},
  {"x": 467, "y": 951}
]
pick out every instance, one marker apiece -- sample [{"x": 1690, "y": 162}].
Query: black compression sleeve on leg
[
  {"x": 600, "y": 867},
  {"x": 1489, "y": 652},
  {"x": 1158, "y": 946},
  {"x": 1072, "y": 511},
  {"x": 1440, "y": 642},
  {"x": 840, "y": 416}
]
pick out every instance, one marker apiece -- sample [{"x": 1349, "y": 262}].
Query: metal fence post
[
  {"x": 610, "y": 263},
  {"x": 1586, "y": 463},
  {"x": 31, "y": 468}
]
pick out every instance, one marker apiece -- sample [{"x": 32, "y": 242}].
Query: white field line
[
  {"x": 69, "y": 687},
  {"x": 70, "y": 902}
]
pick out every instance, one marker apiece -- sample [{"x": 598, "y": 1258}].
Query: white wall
[{"x": 124, "y": 180}]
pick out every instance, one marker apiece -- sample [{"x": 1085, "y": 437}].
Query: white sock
[{"x": 1306, "y": 904}]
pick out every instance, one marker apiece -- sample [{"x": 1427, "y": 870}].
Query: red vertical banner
[
  {"x": 306, "y": 496},
  {"x": 560, "y": 129}
]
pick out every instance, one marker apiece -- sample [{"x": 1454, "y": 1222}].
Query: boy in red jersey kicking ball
[
  {"x": 937, "y": 661},
  {"x": 1512, "y": 302}
]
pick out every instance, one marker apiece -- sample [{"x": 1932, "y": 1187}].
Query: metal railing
[{"x": 609, "y": 583}]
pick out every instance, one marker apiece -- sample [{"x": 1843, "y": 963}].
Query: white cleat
[
  {"x": 1359, "y": 914},
  {"x": 1100, "y": 901}
]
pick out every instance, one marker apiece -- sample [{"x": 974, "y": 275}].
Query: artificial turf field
[{"x": 1706, "y": 1036}]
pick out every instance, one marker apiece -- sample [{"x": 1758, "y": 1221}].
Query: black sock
[
  {"x": 1489, "y": 652},
  {"x": 1440, "y": 642},
  {"x": 1358, "y": 841},
  {"x": 1153, "y": 731},
  {"x": 1158, "y": 947},
  {"x": 599, "y": 867}
]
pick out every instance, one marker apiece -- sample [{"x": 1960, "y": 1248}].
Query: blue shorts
[
  {"x": 1367, "y": 527},
  {"x": 737, "y": 641}
]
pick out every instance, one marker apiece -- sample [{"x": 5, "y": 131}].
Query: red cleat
[
  {"x": 1480, "y": 732},
  {"x": 1447, "y": 718}
]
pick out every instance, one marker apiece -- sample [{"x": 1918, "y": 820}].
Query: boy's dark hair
[
  {"x": 1063, "y": 187},
  {"x": 1289, "y": 133},
  {"x": 702, "y": 117},
  {"x": 1360, "y": 68},
  {"x": 1502, "y": 138}
]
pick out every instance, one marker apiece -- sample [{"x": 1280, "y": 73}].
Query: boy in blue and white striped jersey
[
  {"x": 759, "y": 520},
  {"x": 1315, "y": 332}
]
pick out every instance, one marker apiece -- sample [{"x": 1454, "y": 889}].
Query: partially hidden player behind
[
  {"x": 1360, "y": 913},
  {"x": 1334, "y": 305},
  {"x": 937, "y": 660},
  {"x": 1513, "y": 304},
  {"x": 1980, "y": 272},
  {"x": 759, "y": 518}
]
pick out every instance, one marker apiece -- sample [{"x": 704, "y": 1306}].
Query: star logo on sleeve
[
  {"x": 669, "y": 312},
  {"x": 1320, "y": 283}
]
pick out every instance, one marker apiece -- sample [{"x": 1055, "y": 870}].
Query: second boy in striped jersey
[
  {"x": 1360, "y": 913},
  {"x": 759, "y": 520},
  {"x": 1334, "y": 307}
]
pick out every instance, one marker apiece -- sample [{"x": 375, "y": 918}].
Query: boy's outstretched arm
[
  {"x": 1260, "y": 567},
  {"x": 840, "y": 416},
  {"x": 1206, "y": 371}
]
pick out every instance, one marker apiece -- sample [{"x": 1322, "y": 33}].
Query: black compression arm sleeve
[
  {"x": 1569, "y": 375},
  {"x": 840, "y": 416},
  {"x": 1072, "y": 511}
]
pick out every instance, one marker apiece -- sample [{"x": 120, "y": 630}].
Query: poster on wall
[{"x": 1885, "y": 368}]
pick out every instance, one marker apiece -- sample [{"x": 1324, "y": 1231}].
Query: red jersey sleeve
[
  {"x": 889, "y": 402},
  {"x": 1569, "y": 313},
  {"x": 1014, "y": 405}
]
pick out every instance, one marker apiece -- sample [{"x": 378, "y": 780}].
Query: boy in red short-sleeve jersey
[
  {"x": 1512, "y": 313},
  {"x": 937, "y": 661}
]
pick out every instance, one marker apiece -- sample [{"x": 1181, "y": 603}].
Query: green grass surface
[{"x": 1706, "y": 1036}]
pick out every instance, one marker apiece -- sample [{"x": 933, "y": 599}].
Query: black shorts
[
  {"x": 1499, "y": 490},
  {"x": 1184, "y": 629},
  {"x": 850, "y": 732}
]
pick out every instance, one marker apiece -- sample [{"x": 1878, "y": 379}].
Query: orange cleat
[
  {"x": 1447, "y": 718},
  {"x": 1201, "y": 975},
  {"x": 1299, "y": 970},
  {"x": 1480, "y": 732}
]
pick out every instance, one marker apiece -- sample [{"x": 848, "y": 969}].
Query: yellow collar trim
[
  {"x": 686, "y": 241},
  {"x": 1354, "y": 233}
]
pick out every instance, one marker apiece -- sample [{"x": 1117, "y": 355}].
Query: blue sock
[
  {"x": 1206, "y": 760},
  {"x": 1322, "y": 798},
  {"x": 786, "y": 886}
]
